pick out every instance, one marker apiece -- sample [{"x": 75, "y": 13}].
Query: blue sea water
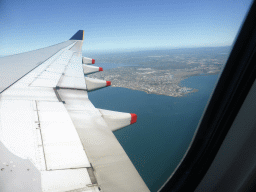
[{"x": 165, "y": 125}]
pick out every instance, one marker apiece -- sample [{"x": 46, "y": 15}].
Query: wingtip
[{"x": 78, "y": 36}]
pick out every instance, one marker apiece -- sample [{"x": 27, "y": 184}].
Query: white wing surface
[{"x": 52, "y": 137}]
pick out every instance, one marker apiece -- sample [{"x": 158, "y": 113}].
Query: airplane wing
[{"x": 52, "y": 138}]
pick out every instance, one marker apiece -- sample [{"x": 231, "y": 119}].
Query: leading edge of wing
[{"x": 14, "y": 67}]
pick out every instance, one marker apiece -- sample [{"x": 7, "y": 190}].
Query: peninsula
[{"x": 161, "y": 72}]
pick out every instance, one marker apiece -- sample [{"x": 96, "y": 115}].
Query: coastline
[{"x": 170, "y": 84}]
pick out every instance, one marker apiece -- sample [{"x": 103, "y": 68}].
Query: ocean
[{"x": 164, "y": 128}]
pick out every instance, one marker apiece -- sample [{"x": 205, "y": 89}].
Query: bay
[{"x": 165, "y": 125}]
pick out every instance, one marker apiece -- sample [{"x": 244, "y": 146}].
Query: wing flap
[
  {"x": 18, "y": 120},
  {"x": 62, "y": 146},
  {"x": 113, "y": 169},
  {"x": 23, "y": 92},
  {"x": 65, "y": 180},
  {"x": 74, "y": 67},
  {"x": 72, "y": 82},
  {"x": 52, "y": 73},
  {"x": 73, "y": 76}
]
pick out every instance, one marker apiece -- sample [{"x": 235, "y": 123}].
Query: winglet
[{"x": 78, "y": 36}]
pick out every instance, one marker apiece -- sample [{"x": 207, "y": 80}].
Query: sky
[{"x": 120, "y": 25}]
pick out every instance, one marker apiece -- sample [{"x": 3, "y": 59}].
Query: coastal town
[{"x": 160, "y": 73}]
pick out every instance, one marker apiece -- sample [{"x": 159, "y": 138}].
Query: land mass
[{"x": 161, "y": 72}]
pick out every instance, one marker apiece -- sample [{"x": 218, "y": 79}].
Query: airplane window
[
  {"x": 168, "y": 88},
  {"x": 163, "y": 59}
]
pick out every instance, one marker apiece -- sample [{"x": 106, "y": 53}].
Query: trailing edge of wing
[{"x": 113, "y": 168}]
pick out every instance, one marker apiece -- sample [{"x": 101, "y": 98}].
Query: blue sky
[{"x": 116, "y": 25}]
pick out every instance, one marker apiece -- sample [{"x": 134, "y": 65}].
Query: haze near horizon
[{"x": 120, "y": 25}]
